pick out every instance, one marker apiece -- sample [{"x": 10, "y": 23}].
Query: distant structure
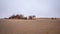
[
  {"x": 17, "y": 17},
  {"x": 21, "y": 17},
  {"x": 32, "y": 17},
  {"x": 53, "y": 18}
]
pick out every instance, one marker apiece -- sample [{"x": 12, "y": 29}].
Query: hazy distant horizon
[{"x": 39, "y": 8}]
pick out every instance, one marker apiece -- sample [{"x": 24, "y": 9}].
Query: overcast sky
[{"x": 40, "y": 8}]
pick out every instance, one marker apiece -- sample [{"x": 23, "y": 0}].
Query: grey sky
[{"x": 40, "y": 8}]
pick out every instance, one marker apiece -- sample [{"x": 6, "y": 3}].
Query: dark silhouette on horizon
[{"x": 21, "y": 17}]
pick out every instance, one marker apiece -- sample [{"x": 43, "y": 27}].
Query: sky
[{"x": 39, "y": 8}]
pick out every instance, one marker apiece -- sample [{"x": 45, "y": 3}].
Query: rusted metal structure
[
  {"x": 22, "y": 17},
  {"x": 17, "y": 17},
  {"x": 32, "y": 17}
]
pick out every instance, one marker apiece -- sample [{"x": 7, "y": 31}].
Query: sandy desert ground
[{"x": 38, "y": 26}]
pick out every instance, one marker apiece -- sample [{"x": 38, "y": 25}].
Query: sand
[{"x": 38, "y": 26}]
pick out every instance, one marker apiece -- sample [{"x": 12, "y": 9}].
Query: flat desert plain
[{"x": 38, "y": 26}]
